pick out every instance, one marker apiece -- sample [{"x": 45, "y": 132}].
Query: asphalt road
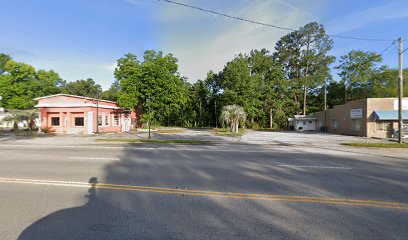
[{"x": 224, "y": 191}]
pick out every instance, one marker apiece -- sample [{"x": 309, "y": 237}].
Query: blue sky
[{"x": 84, "y": 38}]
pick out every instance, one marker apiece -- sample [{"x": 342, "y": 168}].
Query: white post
[
  {"x": 39, "y": 122},
  {"x": 400, "y": 92}
]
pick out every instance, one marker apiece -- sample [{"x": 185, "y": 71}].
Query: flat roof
[{"x": 75, "y": 96}]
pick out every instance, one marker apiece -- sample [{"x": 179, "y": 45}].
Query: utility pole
[
  {"x": 148, "y": 102},
  {"x": 325, "y": 96},
  {"x": 215, "y": 113},
  {"x": 325, "y": 106},
  {"x": 400, "y": 92},
  {"x": 200, "y": 114},
  {"x": 97, "y": 115}
]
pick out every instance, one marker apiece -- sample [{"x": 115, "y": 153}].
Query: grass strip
[
  {"x": 129, "y": 140},
  {"x": 377, "y": 145},
  {"x": 227, "y": 132}
]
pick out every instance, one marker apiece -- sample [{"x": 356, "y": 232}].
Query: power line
[
  {"x": 228, "y": 16},
  {"x": 404, "y": 50},
  {"x": 361, "y": 39},
  {"x": 266, "y": 24},
  {"x": 383, "y": 51}
]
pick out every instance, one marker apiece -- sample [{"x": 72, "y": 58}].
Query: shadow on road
[
  {"x": 96, "y": 219},
  {"x": 114, "y": 214}
]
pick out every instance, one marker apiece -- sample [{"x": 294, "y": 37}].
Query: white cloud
[
  {"x": 135, "y": 2},
  {"x": 204, "y": 42},
  {"x": 109, "y": 67}
]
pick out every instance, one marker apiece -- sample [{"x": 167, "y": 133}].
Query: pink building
[{"x": 64, "y": 113}]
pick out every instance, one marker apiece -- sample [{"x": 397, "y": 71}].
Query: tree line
[{"x": 270, "y": 85}]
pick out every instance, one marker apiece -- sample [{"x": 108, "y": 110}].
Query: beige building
[{"x": 371, "y": 117}]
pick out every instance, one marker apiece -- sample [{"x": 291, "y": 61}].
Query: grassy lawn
[
  {"x": 267, "y": 129},
  {"x": 130, "y": 140},
  {"x": 227, "y": 132},
  {"x": 170, "y": 131},
  {"x": 377, "y": 145}
]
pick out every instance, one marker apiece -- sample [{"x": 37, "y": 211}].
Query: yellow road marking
[{"x": 231, "y": 195}]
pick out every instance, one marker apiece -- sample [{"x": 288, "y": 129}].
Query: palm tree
[
  {"x": 30, "y": 117},
  {"x": 16, "y": 116},
  {"x": 232, "y": 115}
]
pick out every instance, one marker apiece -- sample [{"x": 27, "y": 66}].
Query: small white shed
[{"x": 302, "y": 123}]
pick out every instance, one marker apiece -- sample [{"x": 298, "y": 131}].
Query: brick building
[{"x": 370, "y": 117}]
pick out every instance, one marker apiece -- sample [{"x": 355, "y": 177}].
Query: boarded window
[
  {"x": 334, "y": 124},
  {"x": 55, "y": 121},
  {"x": 79, "y": 121},
  {"x": 356, "y": 125}
]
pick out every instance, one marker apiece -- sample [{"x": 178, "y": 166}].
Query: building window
[
  {"x": 106, "y": 118},
  {"x": 388, "y": 126},
  {"x": 356, "y": 125},
  {"x": 116, "y": 120},
  {"x": 100, "y": 119},
  {"x": 79, "y": 121},
  {"x": 383, "y": 126},
  {"x": 334, "y": 124},
  {"x": 379, "y": 126},
  {"x": 55, "y": 121}
]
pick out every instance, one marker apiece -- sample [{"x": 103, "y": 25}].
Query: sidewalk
[{"x": 73, "y": 139}]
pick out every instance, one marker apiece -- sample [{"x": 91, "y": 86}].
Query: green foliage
[
  {"x": 113, "y": 93},
  {"x": 227, "y": 132},
  {"x": 384, "y": 83},
  {"x": 87, "y": 88},
  {"x": 4, "y": 58},
  {"x": 131, "y": 140},
  {"x": 16, "y": 116},
  {"x": 155, "y": 78},
  {"x": 269, "y": 86},
  {"x": 232, "y": 115},
  {"x": 20, "y": 83},
  {"x": 356, "y": 68},
  {"x": 304, "y": 59},
  {"x": 49, "y": 82},
  {"x": 199, "y": 101},
  {"x": 376, "y": 145},
  {"x": 273, "y": 89},
  {"x": 239, "y": 87}
]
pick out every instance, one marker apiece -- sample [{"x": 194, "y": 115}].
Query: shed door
[{"x": 90, "y": 122}]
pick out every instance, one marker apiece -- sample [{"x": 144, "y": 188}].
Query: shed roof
[
  {"x": 304, "y": 117},
  {"x": 389, "y": 115}
]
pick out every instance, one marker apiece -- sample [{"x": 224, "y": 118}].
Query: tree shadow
[
  {"x": 190, "y": 217},
  {"x": 23, "y": 135},
  {"x": 120, "y": 214},
  {"x": 97, "y": 219}
]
